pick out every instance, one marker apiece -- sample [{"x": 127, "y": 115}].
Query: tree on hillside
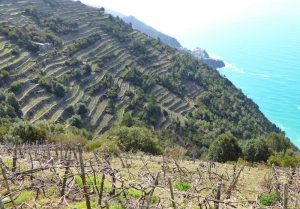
[
  {"x": 87, "y": 69},
  {"x": 82, "y": 109},
  {"x": 59, "y": 89},
  {"x": 76, "y": 121},
  {"x": 127, "y": 120},
  {"x": 151, "y": 112},
  {"x": 278, "y": 142},
  {"x": 28, "y": 132},
  {"x": 256, "y": 150},
  {"x": 137, "y": 139},
  {"x": 13, "y": 102},
  {"x": 224, "y": 148}
]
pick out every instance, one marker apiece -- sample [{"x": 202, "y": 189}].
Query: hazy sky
[{"x": 183, "y": 18}]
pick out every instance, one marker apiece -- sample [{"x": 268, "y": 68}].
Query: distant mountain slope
[
  {"x": 144, "y": 28},
  {"x": 139, "y": 25},
  {"x": 114, "y": 13},
  {"x": 198, "y": 53},
  {"x": 71, "y": 63}
]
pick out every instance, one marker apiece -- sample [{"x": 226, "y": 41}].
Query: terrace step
[
  {"x": 35, "y": 104},
  {"x": 98, "y": 114}
]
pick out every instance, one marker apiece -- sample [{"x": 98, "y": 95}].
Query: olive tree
[{"x": 224, "y": 148}]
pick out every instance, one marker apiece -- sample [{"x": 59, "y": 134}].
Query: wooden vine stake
[
  {"x": 101, "y": 190},
  {"x": 172, "y": 193},
  {"x": 218, "y": 196},
  {"x": 113, "y": 183},
  {"x": 67, "y": 169},
  {"x": 85, "y": 187},
  {"x": 285, "y": 196},
  {"x": 15, "y": 158}
]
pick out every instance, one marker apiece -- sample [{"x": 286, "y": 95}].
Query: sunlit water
[{"x": 263, "y": 59}]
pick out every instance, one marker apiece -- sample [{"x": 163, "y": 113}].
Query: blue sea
[{"x": 262, "y": 56}]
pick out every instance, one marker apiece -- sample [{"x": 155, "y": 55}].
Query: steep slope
[
  {"x": 144, "y": 28},
  {"x": 139, "y": 25},
  {"x": 198, "y": 53},
  {"x": 69, "y": 62}
]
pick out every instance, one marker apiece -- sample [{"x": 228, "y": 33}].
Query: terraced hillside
[{"x": 67, "y": 62}]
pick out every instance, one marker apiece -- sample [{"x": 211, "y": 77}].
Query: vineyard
[
  {"x": 57, "y": 176},
  {"x": 106, "y": 56}
]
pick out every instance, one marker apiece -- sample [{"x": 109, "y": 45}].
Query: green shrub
[
  {"x": 269, "y": 199},
  {"x": 173, "y": 84},
  {"x": 92, "y": 145},
  {"x": 15, "y": 86},
  {"x": 151, "y": 112},
  {"x": 4, "y": 129},
  {"x": 28, "y": 132},
  {"x": 110, "y": 147},
  {"x": 107, "y": 146},
  {"x": 53, "y": 86},
  {"x": 256, "y": 151},
  {"x": 73, "y": 62},
  {"x": 284, "y": 161},
  {"x": 15, "y": 52},
  {"x": 80, "y": 132},
  {"x": 127, "y": 120},
  {"x": 290, "y": 161},
  {"x": 4, "y": 74},
  {"x": 87, "y": 69},
  {"x": 224, "y": 148},
  {"x": 82, "y": 43},
  {"x": 278, "y": 142},
  {"x": 182, "y": 186},
  {"x": 117, "y": 206},
  {"x": 134, "y": 193},
  {"x": 105, "y": 83},
  {"x": 82, "y": 204},
  {"x": 51, "y": 191},
  {"x": 136, "y": 139},
  {"x": 68, "y": 139},
  {"x": 9, "y": 105},
  {"x": 69, "y": 111},
  {"x": 24, "y": 197},
  {"x": 12, "y": 101},
  {"x": 59, "y": 89},
  {"x": 154, "y": 199},
  {"x": 76, "y": 121},
  {"x": 91, "y": 181},
  {"x": 81, "y": 109}
]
